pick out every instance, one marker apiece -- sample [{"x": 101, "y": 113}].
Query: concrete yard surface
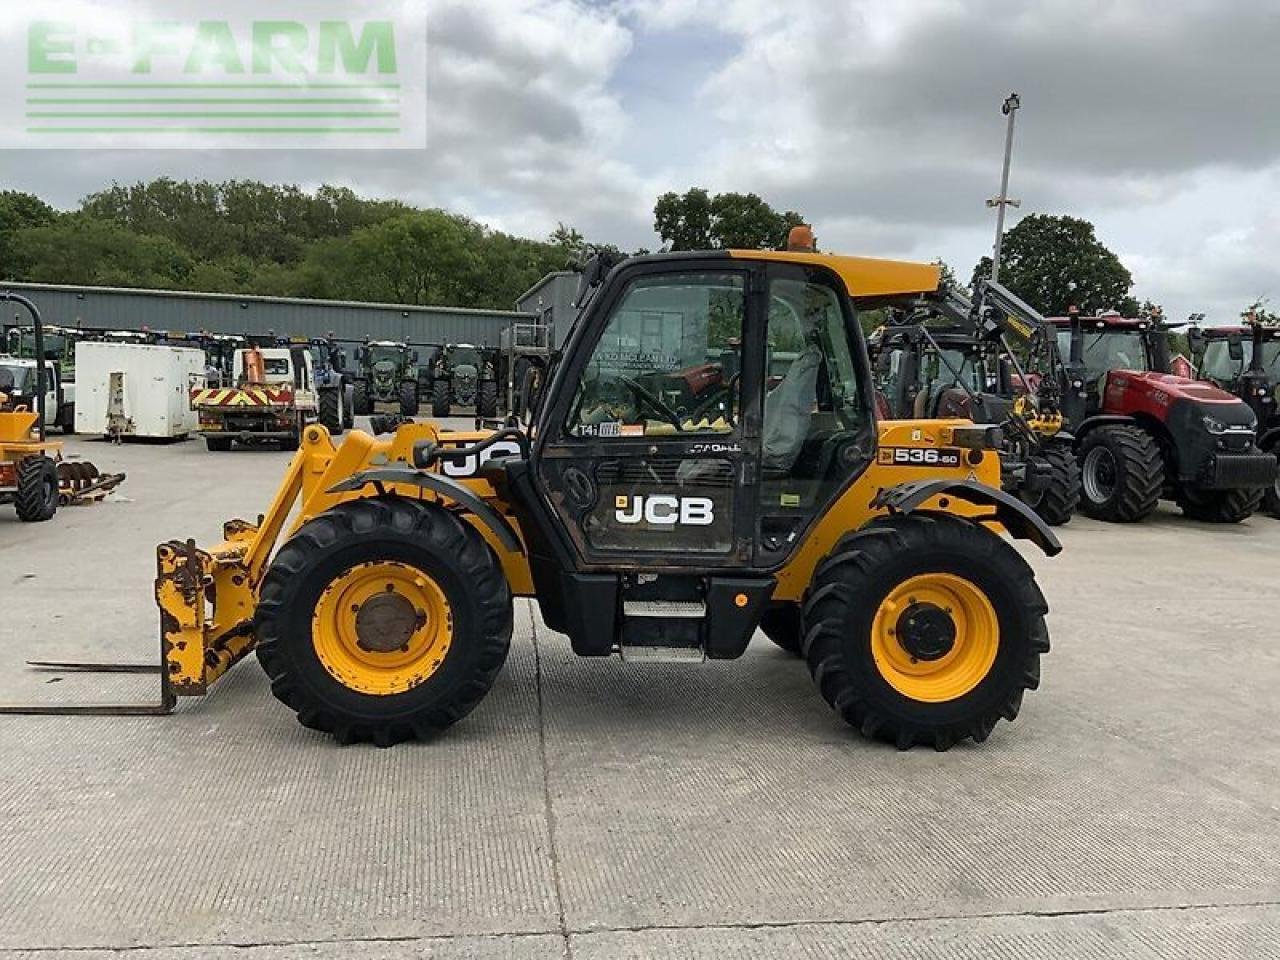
[{"x": 602, "y": 810}]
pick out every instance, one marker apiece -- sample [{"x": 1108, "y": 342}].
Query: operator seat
[
  {"x": 788, "y": 413},
  {"x": 920, "y": 406}
]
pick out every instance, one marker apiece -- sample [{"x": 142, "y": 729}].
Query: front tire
[
  {"x": 487, "y": 399},
  {"x": 1271, "y": 496},
  {"x": 1121, "y": 473},
  {"x": 1220, "y": 506},
  {"x": 36, "y": 499},
  {"x": 348, "y": 406},
  {"x": 530, "y": 389},
  {"x": 331, "y": 410},
  {"x": 360, "y": 399},
  {"x": 440, "y": 398},
  {"x": 409, "y": 398},
  {"x": 340, "y": 664},
  {"x": 924, "y": 630},
  {"x": 1058, "y": 501}
]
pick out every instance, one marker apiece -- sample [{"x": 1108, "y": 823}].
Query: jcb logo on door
[
  {"x": 918, "y": 457},
  {"x": 665, "y": 511}
]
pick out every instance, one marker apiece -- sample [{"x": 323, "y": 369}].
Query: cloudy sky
[{"x": 877, "y": 119}]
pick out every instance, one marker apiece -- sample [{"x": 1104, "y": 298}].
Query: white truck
[
  {"x": 60, "y": 397},
  {"x": 273, "y": 398},
  {"x": 136, "y": 390}
]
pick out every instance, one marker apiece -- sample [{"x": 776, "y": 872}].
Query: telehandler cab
[{"x": 874, "y": 551}]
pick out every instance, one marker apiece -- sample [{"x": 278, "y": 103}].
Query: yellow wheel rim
[
  {"x": 935, "y": 637},
  {"x": 382, "y": 628}
]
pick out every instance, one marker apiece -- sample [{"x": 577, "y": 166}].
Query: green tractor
[
  {"x": 467, "y": 376},
  {"x": 386, "y": 374}
]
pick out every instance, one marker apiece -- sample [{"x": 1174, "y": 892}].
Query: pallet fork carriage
[
  {"x": 195, "y": 650},
  {"x": 705, "y": 461}
]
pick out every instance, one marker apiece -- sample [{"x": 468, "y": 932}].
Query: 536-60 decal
[{"x": 944, "y": 457}]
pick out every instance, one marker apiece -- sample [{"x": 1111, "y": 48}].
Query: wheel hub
[
  {"x": 386, "y": 622},
  {"x": 926, "y": 631},
  {"x": 935, "y": 636},
  {"x": 382, "y": 627},
  {"x": 1099, "y": 475}
]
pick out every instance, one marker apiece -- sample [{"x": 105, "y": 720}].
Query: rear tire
[
  {"x": 409, "y": 398},
  {"x": 331, "y": 410},
  {"x": 440, "y": 398},
  {"x": 487, "y": 399},
  {"x": 903, "y": 688},
  {"x": 36, "y": 499},
  {"x": 1220, "y": 506},
  {"x": 443, "y": 684},
  {"x": 1122, "y": 474},
  {"x": 1058, "y": 502},
  {"x": 218, "y": 444},
  {"x": 781, "y": 624}
]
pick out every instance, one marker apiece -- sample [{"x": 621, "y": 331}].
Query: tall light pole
[{"x": 1010, "y": 107}]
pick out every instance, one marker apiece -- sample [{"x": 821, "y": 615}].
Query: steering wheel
[
  {"x": 651, "y": 400},
  {"x": 725, "y": 389}
]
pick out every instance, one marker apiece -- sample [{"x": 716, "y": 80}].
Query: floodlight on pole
[{"x": 1009, "y": 108}]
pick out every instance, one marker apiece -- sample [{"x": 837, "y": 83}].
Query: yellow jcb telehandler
[{"x": 704, "y": 461}]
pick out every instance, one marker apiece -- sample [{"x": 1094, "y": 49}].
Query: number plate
[{"x": 947, "y": 458}]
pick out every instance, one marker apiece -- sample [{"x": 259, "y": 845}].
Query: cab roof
[
  {"x": 1222, "y": 332},
  {"x": 864, "y": 277}
]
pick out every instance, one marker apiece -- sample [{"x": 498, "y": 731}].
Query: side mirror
[
  {"x": 1195, "y": 339},
  {"x": 1235, "y": 348}
]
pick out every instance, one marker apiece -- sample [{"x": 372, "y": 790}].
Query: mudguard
[
  {"x": 1015, "y": 516},
  {"x": 1100, "y": 420},
  {"x": 444, "y": 486}
]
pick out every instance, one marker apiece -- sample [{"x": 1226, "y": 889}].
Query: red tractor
[{"x": 1143, "y": 434}]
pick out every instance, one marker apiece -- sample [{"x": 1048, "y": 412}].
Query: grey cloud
[{"x": 1158, "y": 90}]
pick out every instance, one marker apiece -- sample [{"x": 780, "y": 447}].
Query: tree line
[
  {"x": 254, "y": 238},
  {"x": 247, "y": 237}
]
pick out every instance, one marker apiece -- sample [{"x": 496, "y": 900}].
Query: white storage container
[{"x": 132, "y": 390}]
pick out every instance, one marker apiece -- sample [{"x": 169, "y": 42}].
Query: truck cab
[
  {"x": 281, "y": 366},
  {"x": 59, "y": 408},
  {"x": 273, "y": 399}
]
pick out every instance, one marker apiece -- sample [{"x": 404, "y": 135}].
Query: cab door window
[
  {"x": 816, "y": 426},
  {"x": 667, "y": 362}
]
